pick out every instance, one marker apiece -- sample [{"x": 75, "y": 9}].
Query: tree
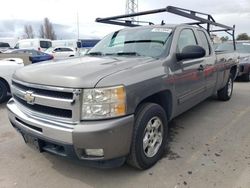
[
  {"x": 243, "y": 36},
  {"x": 41, "y": 32},
  {"x": 28, "y": 32},
  {"x": 46, "y": 30},
  {"x": 223, "y": 39}
]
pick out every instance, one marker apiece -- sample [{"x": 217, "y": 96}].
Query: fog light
[{"x": 94, "y": 152}]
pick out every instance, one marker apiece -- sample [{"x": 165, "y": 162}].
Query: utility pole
[
  {"x": 77, "y": 25},
  {"x": 132, "y": 7}
]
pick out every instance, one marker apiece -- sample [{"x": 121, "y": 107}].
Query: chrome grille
[
  {"x": 46, "y": 102},
  {"x": 50, "y": 93}
]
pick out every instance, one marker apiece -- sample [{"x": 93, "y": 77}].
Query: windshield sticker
[
  {"x": 162, "y": 30},
  {"x": 247, "y": 44}
]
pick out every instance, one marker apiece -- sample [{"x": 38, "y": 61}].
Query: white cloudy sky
[{"x": 15, "y": 13}]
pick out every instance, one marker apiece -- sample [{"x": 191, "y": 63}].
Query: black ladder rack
[{"x": 194, "y": 15}]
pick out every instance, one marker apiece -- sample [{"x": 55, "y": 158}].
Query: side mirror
[
  {"x": 53, "y": 51},
  {"x": 191, "y": 52}
]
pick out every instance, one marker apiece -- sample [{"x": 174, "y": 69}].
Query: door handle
[{"x": 201, "y": 68}]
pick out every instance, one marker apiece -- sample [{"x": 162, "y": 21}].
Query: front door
[{"x": 189, "y": 77}]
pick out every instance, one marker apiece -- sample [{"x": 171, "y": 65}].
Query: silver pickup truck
[{"x": 114, "y": 104}]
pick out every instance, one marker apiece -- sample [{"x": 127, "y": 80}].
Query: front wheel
[
  {"x": 226, "y": 92},
  {"x": 149, "y": 137}
]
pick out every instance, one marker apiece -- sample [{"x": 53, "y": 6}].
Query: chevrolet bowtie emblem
[{"x": 28, "y": 96}]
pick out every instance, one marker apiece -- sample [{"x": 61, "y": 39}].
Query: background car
[
  {"x": 243, "y": 48},
  {"x": 244, "y": 68},
  {"x": 38, "y": 44},
  {"x": 4, "y": 46},
  {"x": 35, "y": 56},
  {"x": 61, "y": 52},
  {"x": 7, "y": 68}
]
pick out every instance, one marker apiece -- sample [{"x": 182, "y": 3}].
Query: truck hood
[{"x": 84, "y": 72}]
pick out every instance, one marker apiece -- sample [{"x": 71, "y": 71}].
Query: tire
[
  {"x": 246, "y": 77},
  {"x": 226, "y": 92},
  {"x": 3, "y": 92},
  {"x": 146, "y": 147}
]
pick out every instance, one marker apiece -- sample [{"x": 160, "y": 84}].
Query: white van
[
  {"x": 37, "y": 44},
  {"x": 68, "y": 43}
]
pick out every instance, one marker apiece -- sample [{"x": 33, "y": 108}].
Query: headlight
[{"x": 103, "y": 103}]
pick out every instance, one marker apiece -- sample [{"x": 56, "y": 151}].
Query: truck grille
[
  {"x": 46, "y": 102},
  {"x": 49, "y": 93},
  {"x": 45, "y": 109}
]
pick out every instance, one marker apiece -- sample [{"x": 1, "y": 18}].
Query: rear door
[
  {"x": 210, "y": 72},
  {"x": 67, "y": 52}
]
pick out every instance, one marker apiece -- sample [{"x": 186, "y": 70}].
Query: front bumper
[{"x": 113, "y": 136}]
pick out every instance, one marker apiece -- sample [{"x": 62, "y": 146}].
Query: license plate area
[{"x": 33, "y": 142}]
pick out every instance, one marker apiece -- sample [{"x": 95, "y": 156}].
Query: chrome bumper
[{"x": 113, "y": 136}]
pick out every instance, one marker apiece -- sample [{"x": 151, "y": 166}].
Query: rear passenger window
[
  {"x": 66, "y": 50},
  {"x": 186, "y": 38},
  {"x": 58, "y": 50},
  {"x": 204, "y": 42}
]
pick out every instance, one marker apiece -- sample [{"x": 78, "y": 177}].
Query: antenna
[{"x": 131, "y": 8}]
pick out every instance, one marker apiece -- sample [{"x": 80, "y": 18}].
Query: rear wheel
[
  {"x": 149, "y": 137},
  {"x": 226, "y": 92},
  {"x": 3, "y": 92},
  {"x": 246, "y": 77}
]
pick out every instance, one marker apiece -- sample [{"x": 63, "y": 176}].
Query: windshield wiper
[
  {"x": 128, "y": 53},
  {"x": 144, "y": 41},
  {"x": 118, "y": 53},
  {"x": 95, "y": 53}
]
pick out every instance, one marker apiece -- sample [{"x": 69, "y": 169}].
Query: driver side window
[{"x": 186, "y": 38}]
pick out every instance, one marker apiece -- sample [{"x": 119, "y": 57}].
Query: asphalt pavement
[{"x": 209, "y": 147}]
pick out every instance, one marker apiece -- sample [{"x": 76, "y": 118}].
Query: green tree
[{"x": 243, "y": 36}]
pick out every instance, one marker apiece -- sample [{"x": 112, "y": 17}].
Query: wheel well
[
  {"x": 5, "y": 83},
  {"x": 233, "y": 71},
  {"x": 163, "y": 98}
]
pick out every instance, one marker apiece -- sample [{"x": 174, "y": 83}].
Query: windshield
[
  {"x": 150, "y": 42},
  {"x": 49, "y": 50}
]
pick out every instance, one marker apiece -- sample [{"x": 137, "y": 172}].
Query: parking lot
[{"x": 209, "y": 147}]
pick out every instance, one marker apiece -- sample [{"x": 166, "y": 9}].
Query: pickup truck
[
  {"x": 114, "y": 104},
  {"x": 7, "y": 67}
]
